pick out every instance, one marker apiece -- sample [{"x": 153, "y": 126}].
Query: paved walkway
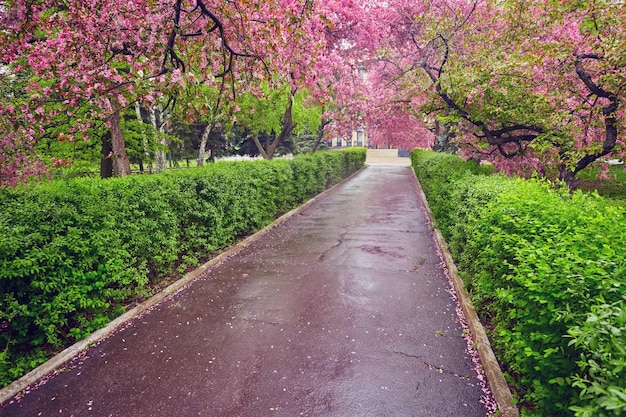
[
  {"x": 343, "y": 310},
  {"x": 386, "y": 157}
]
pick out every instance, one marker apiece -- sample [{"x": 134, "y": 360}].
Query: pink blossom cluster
[
  {"x": 91, "y": 59},
  {"x": 515, "y": 82},
  {"x": 523, "y": 84}
]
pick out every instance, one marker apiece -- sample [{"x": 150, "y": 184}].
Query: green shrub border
[
  {"x": 74, "y": 254},
  {"x": 546, "y": 271}
]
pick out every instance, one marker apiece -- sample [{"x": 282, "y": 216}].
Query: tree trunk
[
  {"x": 568, "y": 177},
  {"x": 121, "y": 164},
  {"x": 203, "y": 141},
  {"x": 285, "y": 131},
  {"x": 442, "y": 142},
  {"x": 611, "y": 132},
  {"x": 160, "y": 160},
  {"x": 320, "y": 134},
  {"x": 106, "y": 162},
  {"x": 146, "y": 144},
  {"x": 160, "y": 154},
  {"x": 437, "y": 132},
  {"x": 260, "y": 147}
]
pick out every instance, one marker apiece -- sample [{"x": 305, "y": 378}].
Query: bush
[
  {"x": 546, "y": 271},
  {"x": 437, "y": 172},
  {"x": 74, "y": 252}
]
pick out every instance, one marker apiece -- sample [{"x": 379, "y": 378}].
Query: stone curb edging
[
  {"x": 491, "y": 367},
  {"x": 60, "y": 359}
]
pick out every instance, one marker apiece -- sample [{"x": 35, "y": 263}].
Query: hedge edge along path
[
  {"x": 34, "y": 377},
  {"x": 495, "y": 378}
]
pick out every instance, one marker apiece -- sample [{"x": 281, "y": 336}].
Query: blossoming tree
[
  {"x": 90, "y": 60},
  {"x": 530, "y": 86}
]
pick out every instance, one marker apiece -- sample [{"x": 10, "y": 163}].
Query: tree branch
[
  {"x": 609, "y": 112},
  {"x": 494, "y": 137}
]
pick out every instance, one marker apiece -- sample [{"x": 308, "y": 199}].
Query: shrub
[
  {"x": 437, "y": 173},
  {"x": 74, "y": 252},
  {"x": 546, "y": 271}
]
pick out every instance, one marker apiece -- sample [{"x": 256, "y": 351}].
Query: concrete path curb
[
  {"x": 59, "y": 360},
  {"x": 495, "y": 378}
]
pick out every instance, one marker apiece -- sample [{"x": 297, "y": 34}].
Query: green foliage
[
  {"x": 546, "y": 270},
  {"x": 613, "y": 187},
  {"x": 602, "y": 339},
  {"x": 265, "y": 115},
  {"x": 73, "y": 252},
  {"x": 437, "y": 172}
]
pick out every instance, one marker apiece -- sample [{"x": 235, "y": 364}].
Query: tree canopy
[{"x": 528, "y": 85}]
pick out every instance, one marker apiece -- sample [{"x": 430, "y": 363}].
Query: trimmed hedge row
[
  {"x": 546, "y": 271},
  {"x": 74, "y": 252}
]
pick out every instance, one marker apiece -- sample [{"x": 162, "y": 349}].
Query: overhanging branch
[{"x": 520, "y": 135}]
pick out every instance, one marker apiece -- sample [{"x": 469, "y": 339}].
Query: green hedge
[
  {"x": 73, "y": 253},
  {"x": 436, "y": 171},
  {"x": 546, "y": 270}
]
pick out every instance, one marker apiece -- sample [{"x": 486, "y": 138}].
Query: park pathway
[{"x": 342, "y": 310}]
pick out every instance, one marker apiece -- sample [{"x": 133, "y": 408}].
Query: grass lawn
[{"x": 614, "y": 187}]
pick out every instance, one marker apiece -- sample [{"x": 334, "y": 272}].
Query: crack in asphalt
[
  {"x": 445, "y": 371},
  {"x": 408, "y": 355},
  {"x": 431, "y": 366},
  {"x": 342, "y": 240}
]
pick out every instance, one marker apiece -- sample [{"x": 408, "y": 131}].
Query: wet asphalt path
[{"x": 340, "y": 311}]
